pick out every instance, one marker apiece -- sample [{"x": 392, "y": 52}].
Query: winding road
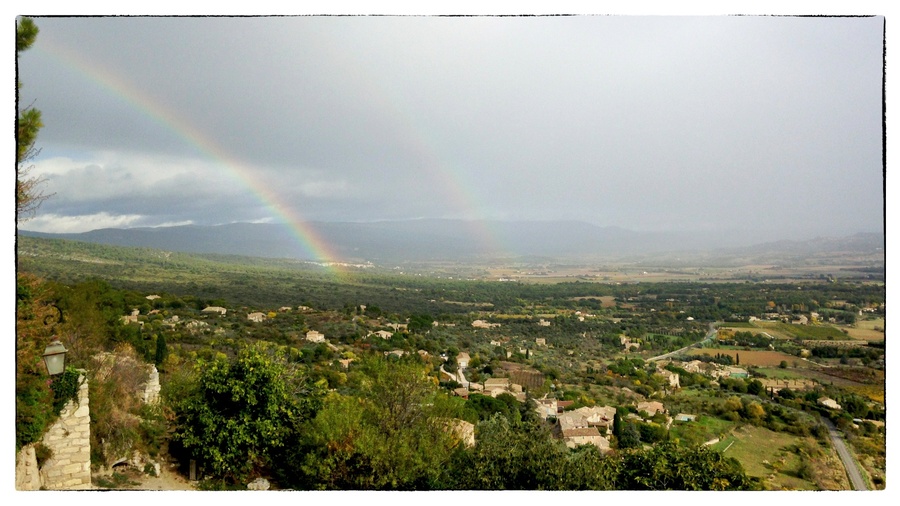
[
  {"x": 837, "y": 440},
  {"x": 459, "y": 377},
  {"x": 709, "y": 336}
]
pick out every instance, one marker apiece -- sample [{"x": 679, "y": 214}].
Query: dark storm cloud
[{"x": 641, "y": 122}]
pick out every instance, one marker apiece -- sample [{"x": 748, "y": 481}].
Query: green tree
[
  {"x": 630, "y": 436},
  {"x": 667, "y": 466},
  {"x": 28, "y": 124},
  {"x": 511, "y": 456},
  {"x": 420, "y": 322},
  {"x": 242, "y": 412},
  {"x": 755, "y": 387},
  {"x": 34, "y": 399},
  {"x": 395, "y": 433},
  {"x": 162, "y": 351}
]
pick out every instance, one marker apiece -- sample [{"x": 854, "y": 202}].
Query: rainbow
[
  {"x": 457, "y": 189},
  {"x": 444, "y": 176},
  {"x": 304, "y": 233}
]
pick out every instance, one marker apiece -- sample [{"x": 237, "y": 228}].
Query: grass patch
[
  {"x": 779, "y": 373},
  {"x": 704, "y": 429},
  {"x": 765, "y": 454},
  {"x": 870, "y": 324},
  {"x": 116, "y": 481},
  {"x": 774, "y": 329},
  {"x": 867, "y": 330}
]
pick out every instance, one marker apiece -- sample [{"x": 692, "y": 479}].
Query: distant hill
[{"x": 453, "y": 240}]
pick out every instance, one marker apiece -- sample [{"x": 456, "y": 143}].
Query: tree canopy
[{"x": 243, "y": 411}]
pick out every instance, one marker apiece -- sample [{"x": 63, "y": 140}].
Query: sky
[{"x": 647, "y": 122}]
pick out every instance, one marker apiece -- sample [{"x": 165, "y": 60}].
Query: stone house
[
  {"x": 828, "y": 403},
  {"x": 672, "y": 378},
  {"x": 651, "y": 407},
  {"x": 481, "y": 324},
  {"x": 546, "y": 407},
  {"x": 585, "y": 436},
  {"x": 256, "y": 317},
  {"x": 314, "y": 336},
  {"x": 132, "y": 318},
  {"x": 626, "y": 342}
]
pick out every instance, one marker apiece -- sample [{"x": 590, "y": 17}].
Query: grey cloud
[{"x": 641, "y": 122}]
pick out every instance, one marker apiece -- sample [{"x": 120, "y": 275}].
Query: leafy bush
[
  {"x": 242, "y": 412},
  {"x": 34, "y": 398},
  {"x": 65, "y": 388}
]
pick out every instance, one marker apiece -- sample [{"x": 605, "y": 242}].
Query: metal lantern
[{"x": 55, "y": 357}]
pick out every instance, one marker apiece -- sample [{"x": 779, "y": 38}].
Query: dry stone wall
[{"x": 69, "y": 440}]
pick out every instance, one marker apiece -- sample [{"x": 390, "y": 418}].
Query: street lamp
[{"x": 55, "y": 357}]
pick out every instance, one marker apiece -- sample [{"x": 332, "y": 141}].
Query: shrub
[
  {"x": 42, "y": 454},
  {"x": 115, "y": 382},
  {"x": 34, "y": 398},
  {"x": 242, "y": 411},
  {"x": 65, "y": 388}
]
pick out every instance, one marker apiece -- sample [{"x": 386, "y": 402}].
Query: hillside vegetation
[{"x": 350, "y": 380}]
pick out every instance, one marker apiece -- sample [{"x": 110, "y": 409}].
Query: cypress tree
[{"x": 162, "y": 350}]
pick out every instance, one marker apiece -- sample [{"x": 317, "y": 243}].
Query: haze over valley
[{"x": 445, "y": 252}]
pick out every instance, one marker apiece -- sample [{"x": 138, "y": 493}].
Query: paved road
[
  {"x": 459, "y": 377},
  {"x": 709, "y": 336},
  {"x": 856, "y": 480},
  {"x": 462, "y": 378}
]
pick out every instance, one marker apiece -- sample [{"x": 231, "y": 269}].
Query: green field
[
  {"x": 870, "y": 324},
  {"x": 704, "y": 429},
  {"x": 765, "y": 454},
  {"x": 737, "y": 325},
  {"x": 779, "y": 373},
  {"x": 824, "y": 332}
]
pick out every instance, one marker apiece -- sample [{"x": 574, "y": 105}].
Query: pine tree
[{"x": 28, "y": 123}]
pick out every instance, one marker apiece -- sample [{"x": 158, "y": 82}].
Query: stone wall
[
  {"x": 69, "y": 440},
  {"x": 28, "y": 476},
  {"x": 151, "y": 387}
]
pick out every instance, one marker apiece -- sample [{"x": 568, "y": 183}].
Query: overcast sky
[{"x": 642, "y": 122}]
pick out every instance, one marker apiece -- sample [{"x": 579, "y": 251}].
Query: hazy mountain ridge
[{"x": 458, "y": 240}]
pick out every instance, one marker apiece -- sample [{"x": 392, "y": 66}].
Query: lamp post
[{"x": 55, "y": 357}]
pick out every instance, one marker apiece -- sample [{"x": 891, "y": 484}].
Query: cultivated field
[
  {"x": 759, "y": 358},
  {"x": 774, "y": 329},
  {"x": 867, "y": 330},
  {"x": 790, "y": 331}
]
